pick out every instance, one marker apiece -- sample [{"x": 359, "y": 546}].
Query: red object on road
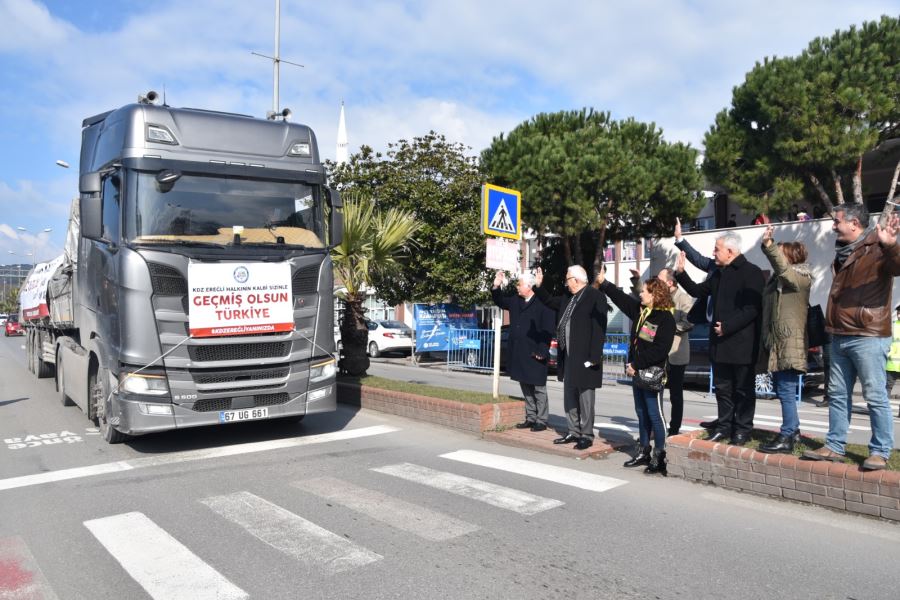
[{"x": 13, "y": 327}]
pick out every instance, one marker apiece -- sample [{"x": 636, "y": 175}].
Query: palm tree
[{"x": 373, "y": 244}]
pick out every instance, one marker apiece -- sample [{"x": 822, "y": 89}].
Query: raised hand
[
  {"x": 635, "y": 274},
  {"x": 679, "y": 263},
  {"x": 601, "y": 276},
  {"x": 887, "y": 235},
  {"x": 498, "y": 279},
  {"x": 538, "y": 277},
  {"x": 677, "y": 229},
  {"x": 767, "y": 235}
]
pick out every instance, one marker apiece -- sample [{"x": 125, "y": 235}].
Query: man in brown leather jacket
[{"x": 859, "y": 321}]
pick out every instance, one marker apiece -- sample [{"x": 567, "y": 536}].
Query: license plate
[{"x": 246, "y": 414}]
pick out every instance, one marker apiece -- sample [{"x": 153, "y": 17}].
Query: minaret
[{"x": 341, "y": 153}]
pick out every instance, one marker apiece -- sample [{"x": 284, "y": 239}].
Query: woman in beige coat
[{"x": 783, "y": 345}]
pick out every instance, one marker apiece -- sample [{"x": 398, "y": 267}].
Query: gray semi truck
[{"x": 196, "y": 287}]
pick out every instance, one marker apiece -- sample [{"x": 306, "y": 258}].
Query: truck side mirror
[
  {"x": 336, "y": 217},
  {"x": 91, "y": 209},
  {"x": 90, "y": 183}
]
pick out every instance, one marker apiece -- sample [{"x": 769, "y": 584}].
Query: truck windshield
[{"x": 201, "y": 209}]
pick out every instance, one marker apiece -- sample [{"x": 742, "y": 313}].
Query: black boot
[
  {"x": 782, "y": 444},
  {"x": 657, "y": 463},
  {"x": 641, "y": 458}
]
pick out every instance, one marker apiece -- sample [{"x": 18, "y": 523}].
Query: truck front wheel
[{"x": 100, "y": 399}]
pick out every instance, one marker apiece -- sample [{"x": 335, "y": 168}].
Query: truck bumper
[{"x": 136, "y": 417}]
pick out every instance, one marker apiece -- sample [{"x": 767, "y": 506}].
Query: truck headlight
[
  {"x": 322, "y": 371},
  {"x": 140, "y": 383}
]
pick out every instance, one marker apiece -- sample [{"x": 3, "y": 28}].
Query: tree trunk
[
  {"x": 823, "y": 195},
  {"x": 567, "y": 249},
  {"x": 889, "y": 204},
  {"x": 838, "y": 187},
  {"x": 354, "y": 336},
  {"x": 598, "y": 254},
  {"x": 857, "y": 182},
  {"x": 578, "y": 253}
]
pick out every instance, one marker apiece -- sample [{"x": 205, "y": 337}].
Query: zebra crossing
[
  {"x": 166, "y": 567},
  {"x": 806, "y": 425}
]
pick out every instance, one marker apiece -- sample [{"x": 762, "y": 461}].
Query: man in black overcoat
[
  {"x": 528, "y": 346},
  {"x": 580, "y": 335},
  {"x": 736, "y": 292}
]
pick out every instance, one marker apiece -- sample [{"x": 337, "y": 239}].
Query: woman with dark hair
[
  {"x": 783, "y": 343},
  {"x": 652, "y": 333}
]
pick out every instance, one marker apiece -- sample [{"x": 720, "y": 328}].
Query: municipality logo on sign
[{"x": 501, "y": 212}]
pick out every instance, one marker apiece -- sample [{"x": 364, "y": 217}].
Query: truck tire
[
  {"x": 99, "y": 397},
  {"x": 42, "y": 369},
  {"x": 29, "y": 351},
  {"x": 60, "y": 382}
]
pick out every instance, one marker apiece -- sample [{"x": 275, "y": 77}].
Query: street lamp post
[{"x": 34, "y": 244}]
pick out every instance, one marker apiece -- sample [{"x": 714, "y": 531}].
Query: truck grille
[
  {"x": 167, "y": 281},
  {"x": 305, "y": 280},
  {"x": 238, "y": 351},
  {"x": 216, "y": 404},
  {"x": 231, "y": 375}
]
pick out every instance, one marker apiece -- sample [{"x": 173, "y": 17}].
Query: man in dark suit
[
  {"x": 580, "y": 335},
  {"x": 528, "y": 346},
  {"x": 736, "y": 292}
]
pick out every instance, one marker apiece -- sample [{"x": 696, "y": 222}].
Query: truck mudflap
[{"x": 137, "y": 417}]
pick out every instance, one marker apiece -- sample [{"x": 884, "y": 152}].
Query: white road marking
[
  {"x": 412, "y": 518},
  {"x": 564, "y": 475},
  {"x": 190, "y": 455},
  {"x": 489, "y": 493},
  {"x": 21, "y": 577},
  {"x": 805, "y": 424},
  {"x": 162, "y": 565},
  {"x": 318, "y": 548},
  {"x": 627, "y": 429}
]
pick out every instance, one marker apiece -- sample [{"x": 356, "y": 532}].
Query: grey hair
[
  {"x": 731, "y": 240},
  {"x": 578, "y": 272},
  {"x": 527, "y": 278},
  {"x": 851, "y": 211}
]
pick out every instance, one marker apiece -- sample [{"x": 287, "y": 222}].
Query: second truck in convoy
[{"x": 196, "y": 287}]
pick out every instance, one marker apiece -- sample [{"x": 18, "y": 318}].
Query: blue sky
[{"x": 467, "y": 69}]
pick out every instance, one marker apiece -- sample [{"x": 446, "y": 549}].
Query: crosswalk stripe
[
  {"x": 489, "y": 493},
  {"x": 158, "y": 562},
  {"x": 20, "y": 576},
  {"x": 403, "y": 515},
  {"x": 316, "y": 547},
  {"x": 191, "y": 455},
  {"x": 562, "y": 475},
  {"x": 805, "y": 424},
  {"x": 627, "y": 429}
]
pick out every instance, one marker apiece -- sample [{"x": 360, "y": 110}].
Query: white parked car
[{"x": 385, "y": 336}]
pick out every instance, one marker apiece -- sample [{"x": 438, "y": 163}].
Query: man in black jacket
[
  {"x": 528, "y": 346},
  {"x": 580, "y": 335},
  {"x": 736, "y": 292}
]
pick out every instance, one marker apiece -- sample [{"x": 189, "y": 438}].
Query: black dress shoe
[
  {"x": 641, "y": 458},
  {"x": 525, "y": 425},
  {"x": 739, "y": 439},
  {"x": 538, "y": 427},
  {"x": 673, "y": 431},
  {"x": 709, "y": 424},
  {"x": 797, "y": 438},
  {"x": 717, "y": 437},
  {"x": 782, "y": 444},
  {"x": 657, "y": 463},
  {"x": 566, "y": 439},
  {"x": 584, "y": 443}
]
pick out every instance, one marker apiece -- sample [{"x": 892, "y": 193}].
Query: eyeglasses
[{"x": 568, "y": 278}]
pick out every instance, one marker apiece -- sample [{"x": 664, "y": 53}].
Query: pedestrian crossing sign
[{"x": 501, "y": 212}]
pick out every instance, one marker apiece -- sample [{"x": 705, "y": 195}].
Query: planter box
[
  {"x": 474, "y": 418},
  {"x": 835, "y": 485}
]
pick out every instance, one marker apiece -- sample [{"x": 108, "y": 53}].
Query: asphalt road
[
  {"x": 615, "y": 405},
  {"x": 358, "y": 504}
]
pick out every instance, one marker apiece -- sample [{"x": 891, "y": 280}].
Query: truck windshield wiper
[{"x": 177, "y": 242}]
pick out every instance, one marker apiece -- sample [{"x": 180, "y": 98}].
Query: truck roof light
[
  {"x": 299, "y": 149},
  {"x": 160, "y": 134}
]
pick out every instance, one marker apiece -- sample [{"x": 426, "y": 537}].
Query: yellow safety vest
[{"x": 893, "y": 362}]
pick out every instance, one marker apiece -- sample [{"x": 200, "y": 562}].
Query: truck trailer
[{"x": 196, "y": 287}]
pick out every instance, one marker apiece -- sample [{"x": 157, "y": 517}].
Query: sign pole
[{"x": 495, "y": 384}]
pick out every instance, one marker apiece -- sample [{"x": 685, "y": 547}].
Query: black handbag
[
  {"x": 815, "y": 326},
  {"x": 651, "y": 378}
]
